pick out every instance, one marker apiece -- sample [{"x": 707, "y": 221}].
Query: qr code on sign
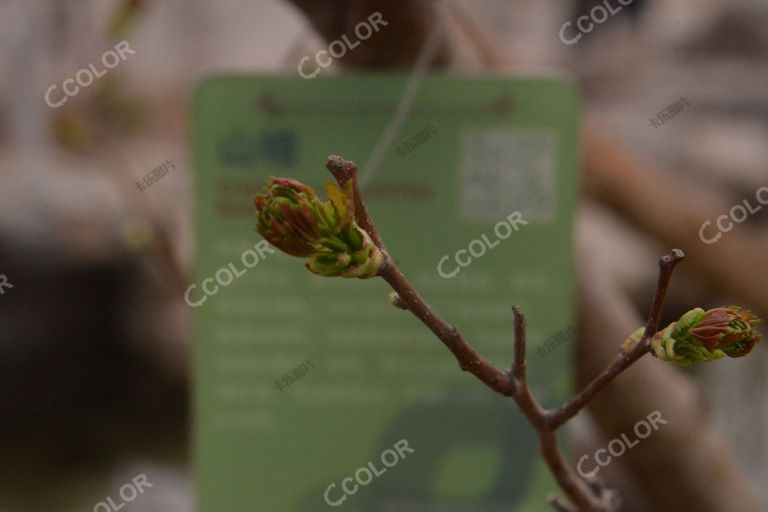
[{"x": 508, "y": 170}]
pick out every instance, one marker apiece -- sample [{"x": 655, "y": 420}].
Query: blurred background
[{"x": 95, "y": 337}]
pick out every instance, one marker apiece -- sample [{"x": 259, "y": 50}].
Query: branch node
[{"x": 518, "y": 365}]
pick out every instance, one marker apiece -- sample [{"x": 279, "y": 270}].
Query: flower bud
[
  {"x": 290, "y": 216},
  {"x": 707, "y": 336}
]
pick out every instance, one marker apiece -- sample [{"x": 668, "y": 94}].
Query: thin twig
[
  {"x": 469, "y": 360},
  {"x": 623, "y": 360},
  {"x": 576, "y": 488},
  {"x": 518, "y": 366}
]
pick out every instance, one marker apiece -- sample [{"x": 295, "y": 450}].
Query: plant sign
[{"x": 478, "y": 219}]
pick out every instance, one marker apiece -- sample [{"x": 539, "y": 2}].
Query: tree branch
[
  {"x": 624, "y": 359},
  {"x": 514, "y": 384},
  {"x": 518, "y": 366}
]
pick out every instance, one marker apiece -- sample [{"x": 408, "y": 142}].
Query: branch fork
[{"x": 582, "y": 496}]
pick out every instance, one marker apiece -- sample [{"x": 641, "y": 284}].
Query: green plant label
[{"x": 315, "y": 394}]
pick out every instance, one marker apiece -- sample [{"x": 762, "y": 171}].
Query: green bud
[
  {"x": 632, "y": 340},
  {"x": 290, "y": 216},
  {"x": 707, "y": 336},
  {"x": 395, "y": 299}
]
